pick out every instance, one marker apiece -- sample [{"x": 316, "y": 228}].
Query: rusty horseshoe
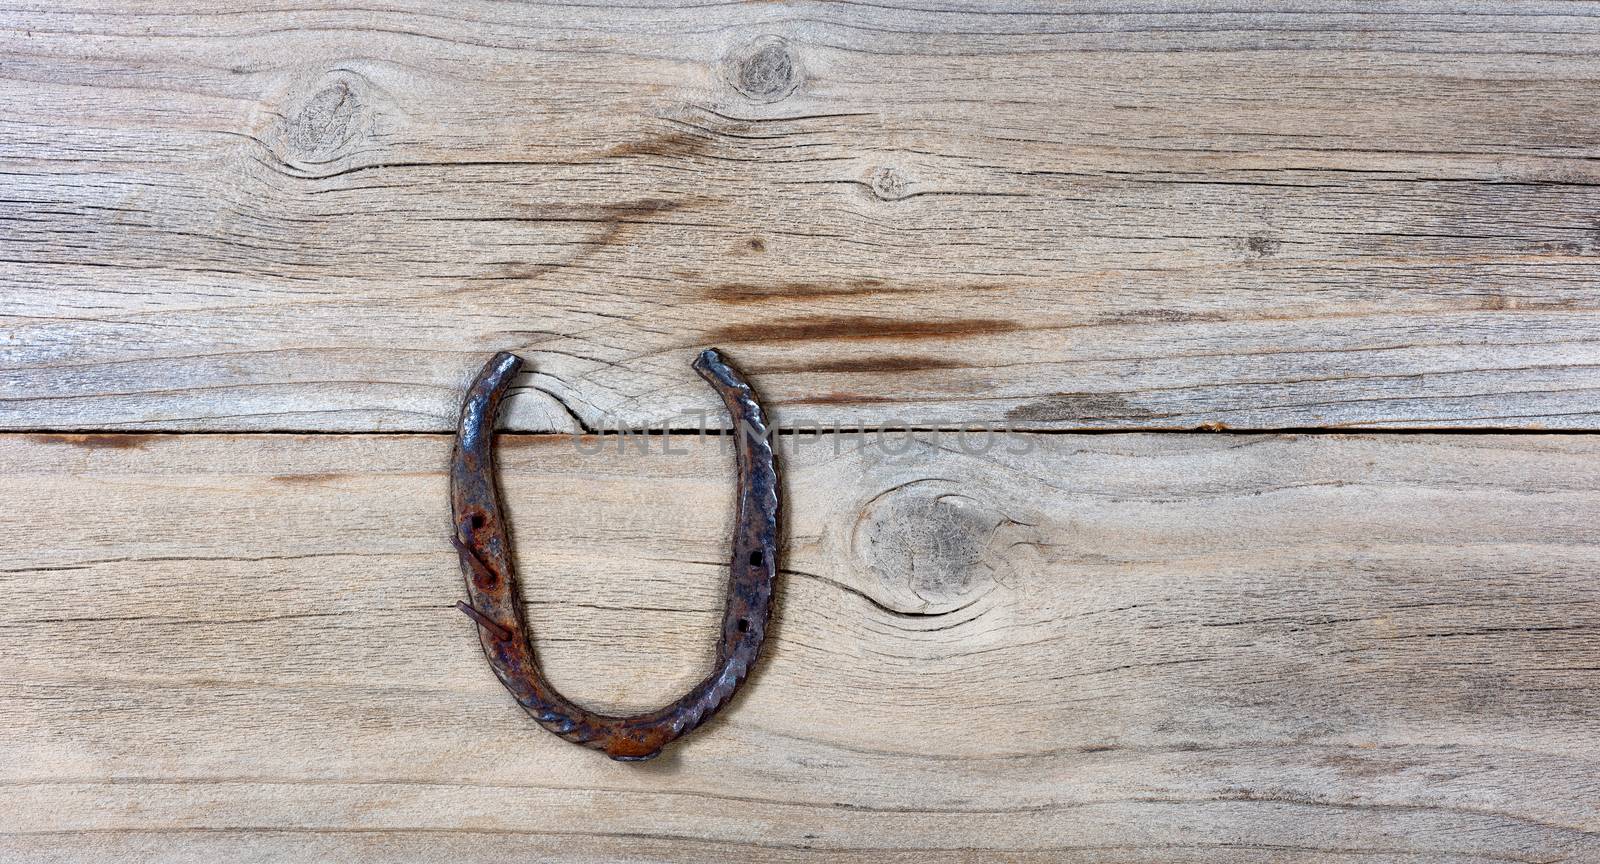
[{"x": 481, "y": 539}]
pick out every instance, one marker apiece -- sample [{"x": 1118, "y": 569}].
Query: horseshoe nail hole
[
  {"x": 478, "y": 521},
  {"x": 755, "y": 561},
  {"x": 744, "y": 624}
]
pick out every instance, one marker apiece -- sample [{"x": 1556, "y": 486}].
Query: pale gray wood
[
  {"x": 1124, "y": 648},
  {"x": 234, "y": 216}
]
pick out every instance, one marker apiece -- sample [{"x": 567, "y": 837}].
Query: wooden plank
[
  {"x": 234, "y": 216},
  {"x": 1129, "y": 648}
]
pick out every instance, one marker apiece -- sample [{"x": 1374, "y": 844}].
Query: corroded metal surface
[{"x": 482, "y": 541}]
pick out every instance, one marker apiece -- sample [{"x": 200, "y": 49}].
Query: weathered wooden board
[
  {"x": 1129, "y": 648},
  {"x": 234, "y": 216}
]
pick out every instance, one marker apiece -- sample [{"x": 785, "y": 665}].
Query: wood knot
[
  {"x": 1261, "y": 246},
  {"x": 326, "y": 120},
  {"x": 935, "y": 545},
  {"x": 888, "y": 184},
  {"x": 765, "y": 69}
]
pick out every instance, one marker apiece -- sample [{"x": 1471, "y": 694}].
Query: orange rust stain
[
  {"x": 520, "y": 440},
  {"x": 676, "y": 144},
  {"x": 618, "y": 218},
  {"x": 611, "y": 216},
  {"x": 98, "y": 441},
  {"x": 876, "y": 363},
  {"x": 838, "y": 398},
  {"x": 858, "y": 327},
  {"x": 749, "y": 292},
  {"x": 306, "y": 479},
  {"x": 643, "y": 207},
  {"x": 742, "y": 292}
]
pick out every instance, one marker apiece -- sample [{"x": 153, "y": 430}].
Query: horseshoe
[{"x": 485, "y": 549}]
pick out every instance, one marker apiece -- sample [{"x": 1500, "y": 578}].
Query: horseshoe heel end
[
  {"x": 722, "y": 377},
  {"x": 707, "y": 359},
  {"x": 482, "y": 404}
]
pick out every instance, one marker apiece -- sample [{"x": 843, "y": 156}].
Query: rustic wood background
[{"x": 1298, "y": 257}]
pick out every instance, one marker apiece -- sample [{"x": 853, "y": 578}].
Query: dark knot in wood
[{"x": 764, "y": 69}]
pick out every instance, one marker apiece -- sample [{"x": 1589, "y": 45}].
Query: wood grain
[
  {"x": 1112, "y": 648},
  {"x": 297, "y": 216}
]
